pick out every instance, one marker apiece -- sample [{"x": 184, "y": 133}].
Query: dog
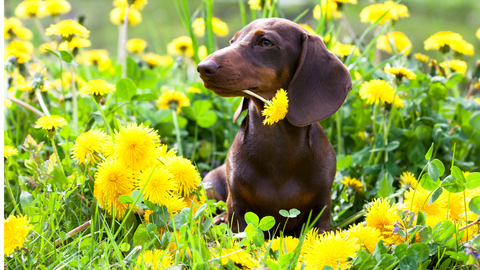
[{"x": 290, "y": 164}]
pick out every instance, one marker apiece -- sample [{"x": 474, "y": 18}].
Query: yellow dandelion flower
[
  {"x": 354, "y": 2},
  {"x": 407, "y": 179},
  {"x": 400, "y": 72},
  {"x": 29, "y": 9},
  {"x": 437, "y": 209},
  {"x": 194, "y": 201},
  {"x": 421, "y": 57},
  {"x": 255, "y": 4},
  {"x": 367, "y": 237},
  {"x": 154, "y": 60},
  {"x": 184, "y": 174},
  {"x": 478, "y": 33},
  {"x": 75, "y": 43},
  {"x": 175, "y": 204},
  {"x": 9, "y": 151},
  {"x": 192, "y": 89},
  {"x": 202, "y": 52},
  {"x": 376, "y": 91},
  {"x": 220, "y": 28},
  {"x": 51, "y": 122},
  {"x": 477, "y": 85},
  {"x": 477, "y": 99},
  {"x": 15, "y": 230},
  {"x": 382, "y": 216},
  {"x": 88, "y": 146},
  {"x": 98, "y": 58},
  {"x": 455, "y": 204},
  {"x": 446, "y": 40},
  {"x": 97, "y": 88},
  {"x": 154, "y": 259},
  {"x": 391, "y": 10},
  {"x": 112, "y": 180},
  {"x": 66, "y": 29},
  {"x": 7, "y": 103},
  {"x": 343, "y": 50},
  {"x": 172, "y": 99},
  {"x": 329, "y": 9},
  {"x": 455, "y": 66},
  {"x": 277, "y": 109},
  {"x": 352, "y": 182},
  {"x": 238, "y": 256},
  {"x": 181, "y": 46},
  {"x": 118, "y": 14},
  {"x": 287, "y": 244},
  {"x": 333, "y": 249},
  {"x": 67, "y": 80},
  {"x": 160, "y": 186},
  {"x": 311, "y": 239},
  {"x": 20, "y": 49},
  {"x": 401, "y": 41},
  {"x": 51, "y": 46},
  {"x": 138, "y": 4},
  {"x": 308, "y": 28},
  {"x": 12, "y": 27},
  {"x": 137, "y": 147},
  {"x": 136, "y": 45},
  {"x": 398, "y": 102},
  {"x": 57, "y": 7}
]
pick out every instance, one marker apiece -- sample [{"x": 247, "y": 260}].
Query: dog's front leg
[{"x": 236, "y": 210}]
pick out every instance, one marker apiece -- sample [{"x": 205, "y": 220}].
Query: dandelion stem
[
  {"x": 107, "y": 127},
  {"x": 41, "y": 102},
  {"x": 257, "y": 96},
  {"x": 41, "y": 29},
  {"x": 194, "y": 142},
  {"x": 10, "y": 193},
  {"x": 56, "y": 154},
  {"x": 26, "y": 106},
  {"x": 177, "y": 131},
  {"x": 338, "y": 118},
  {"x": 74, "y": 100}
]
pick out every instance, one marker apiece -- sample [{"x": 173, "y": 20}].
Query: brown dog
[{"x": 290, "y": 164}]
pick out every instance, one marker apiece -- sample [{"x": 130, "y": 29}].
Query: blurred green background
[{"x": 161, "y": 22}]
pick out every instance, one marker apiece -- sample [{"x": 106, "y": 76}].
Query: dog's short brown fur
[{"x": 290, "y": 164}]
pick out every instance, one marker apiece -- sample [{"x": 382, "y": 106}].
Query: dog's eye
[{"x": 266, "y": 43}]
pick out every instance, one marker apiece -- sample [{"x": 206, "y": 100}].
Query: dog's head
[{"x": 269, "y": 54}]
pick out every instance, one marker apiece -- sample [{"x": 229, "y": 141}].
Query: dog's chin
[{"x": 223, "y": 92}]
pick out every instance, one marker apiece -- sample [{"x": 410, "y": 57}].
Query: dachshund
[{"x": 290, "y": 164}]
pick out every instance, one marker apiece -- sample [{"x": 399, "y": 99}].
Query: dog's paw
[{"x": 220, "y": 219}]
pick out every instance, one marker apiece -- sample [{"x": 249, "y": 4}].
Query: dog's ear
[
  {"x": 241, "y": 107},
  {"x": 319, "y": 86}
]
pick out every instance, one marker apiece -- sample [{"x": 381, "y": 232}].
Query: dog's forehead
[{"x": 283, "y": 27}]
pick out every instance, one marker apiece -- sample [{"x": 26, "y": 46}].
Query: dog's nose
[{"x": 207, "y": 68}]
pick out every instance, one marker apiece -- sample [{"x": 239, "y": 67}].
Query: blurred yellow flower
[
  {"x": 407, "y": 179},
  {"x": 20, "y": 49},
  {"x": 50, "y": 122},
  {"x": 376, "y": 91},
  {"x": 15, "y": 230},
  {"x": 29, "y": 9},
  {"x": 381, "y": 215},
  {"x": 421, "y": 57},
  {"x": 160, "y": 186},
  {"x": 478, "y": 33},
  {"x": 238, "y": 256},
  {"x": 118, "y": 14},
  {"x": 154, "y": 60},
  {"x": 446, "y": 40},
  {"x": 308, "y": 28},
  {"x": 366, "y": 237},
  {"x": 435, "y": 211},
  {"x": 9, "y": 151},
  {"x": 401, "y": 41},
  {"x": 97, "y": 88},
  {"x": 329, "y": 9},
  {"x": 98, "y": 58},
  {"x": 400, "y": 73},
  {"x": 138, "y": 4},
  {"x": 75, "y": 43},
  {"x": 57, "y": 7},
  {"x": 137, "y": 146},
  {"x": 175, "y": 204},
  {"x": 181, "y": 46},
  {"x": 277, "y": 109},
  {"x": 113, "y": 179},
  {"x": 343, "y": 50},
  {"x": 347, "y": 1},
  {"x": 136, "y": 45},
  {"x": 219, "y": 27},
  {"x": 352, "y": 182},
  {"x": 184, "y": 173},
  {"x": 67, "y": 80},
  {"x": 7, "y": 103},
  {"x": 66, "y": 29},
  {"x": 286, "y": 244},
  {"x": 172, "y": 99},
  {"x": 51, "y": 46},
  {"x": 88, "y": 146},
  {"x": 12, "y": 27},
  {"x": 154, "y": 259},
  {"x": 256, "y": 4},
  {"x": 455, "y": 66},
  {"x": 202, "y": 52},
  {"x": 391, "y": 10},
  {"x": 192, "y": 89},
  {"x": 477, "y": 84},
  {"x": 332, "y": 249}
]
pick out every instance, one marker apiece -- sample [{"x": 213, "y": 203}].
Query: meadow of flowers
[{"x": 104, "y": 155}]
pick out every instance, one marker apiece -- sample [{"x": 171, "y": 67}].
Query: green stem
[
  {"x": 107, "y": 127},
  {"x": 10, "y": 192},
  {"x": 374, "y": 122},
  {"x": 257, "y": 96},
  {"x": 74, "y": 100},
  {"x": 465, "y": 207},
  {"x": 338, "y": 118},
  {"x": 418, "y": 183},
  {"x": 177, "y": 131},
  {"x": 56, "y": 153},
  {"x": 42, "y": 102},
  {"x": 194, "y": 142}
]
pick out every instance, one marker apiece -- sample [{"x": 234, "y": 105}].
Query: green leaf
[
  {"x": 133, "y": 72},
  {"x": 140, "y": 236},
  {"x": 125, "y": 199},
  {"x": 160, "y": 217},
  {"x": 284, "y": 213},
  {"x": 51, "y": 163},
  {"x": 266, "y": 223},
  {"x": 440, "y": 166},
  {"x": 428, "y": 155},
  {"x": 250, "y": 230},
  {"x": 189, "y": 112},
  {"x": 473, "y": 180},
  {"x": 135, "y": 194},
  {"x": 385, "y": 186},
  {"x": 433, "y": 171},
  {"x": 251, "y": 217},
  {"x": 151, "y": 228},
  {"x": 148, "y": 79},
  {"x": 392, "y": 146},
  {"x": 452, "y": 185},
  {"x": 54, "y": 53},
  {"x": 415, "y": 151},
  {"x": 124, "y": 247},
  {"x": 150, "y": 205},
  {"x": 207, "y": 120},
  {"x": 475, "y": 120},
  {"x": 294, "y": 213},
  {"x": 458, "y": 174},
  {"x": 408, "y": 263},
  {"x": 401, "y": 250},
  {"x": 59, "y": 177},
  {"x": 66, "y": 56},
  {"x": 26, "y": 199},
  {"x": 202, "y": 106},
  {"x": 126, "y": 89},
  {"x": 144, "y": 97},
  {"x": 454, "y": 79},
  {"x": 421, "y": 218},
  {"x": 474, "y": 205},
  {"x": 419, "y": 251},
  {"x": 344, "y": 162},
  {"x": 427, "y": 183},
  {"x": 436, "y": 194}
]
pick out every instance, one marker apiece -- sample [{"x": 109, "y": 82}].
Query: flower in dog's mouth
[{"x": 277, "y": 109}]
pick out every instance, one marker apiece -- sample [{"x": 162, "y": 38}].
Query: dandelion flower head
[
  {"x": 118, "y": 14},
  {"x": 12, "y": 27},
  {"x": 277, "y": 109},
  {"x": 154, "y": 60},
  {"x": 446, "y": 40},
  {"x": 160, "y": 186},
  {"x": 29, "y": 9},
  {"x": 391, "y": 10},
  {"x": 154, "y": 259},
  {"x": 376, "y": 91},
  {"x": 9, "y": 151},
  {"x": 57, "y": 7},
  {"x": 399, "y": 39},
  {"x": 400, "y": 72},
  {"x": 352, "y": 182},
  {"x": 343, "y": 50},
  {"x": 407, "y": 179},
  {"x": 184, "y": 174},
  {"x": 97, "y": 88},
  {"x": 178, "y": 99},
  {"x": 16, "y": 229},
  {"x": 50, "y": 123},
  {"x": 138, "y": 4},
  {"x": 367, "y": 237},
  {"x": 421, "y": 57},
  {"x": 181, "y": 46},
  {"x": 238, "y": 256},
  {"x": 287, "y": 244},
  {"x": 381, "y": 215},
  {"x": 136, "y": 45},
  {"x": 329, "y": 10},
  {"x": 435, "y": 211},
  {"x": 88, "y": 146},
  {"x": 67, "y": 28},
  {"x": 455, "y": 66}
]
